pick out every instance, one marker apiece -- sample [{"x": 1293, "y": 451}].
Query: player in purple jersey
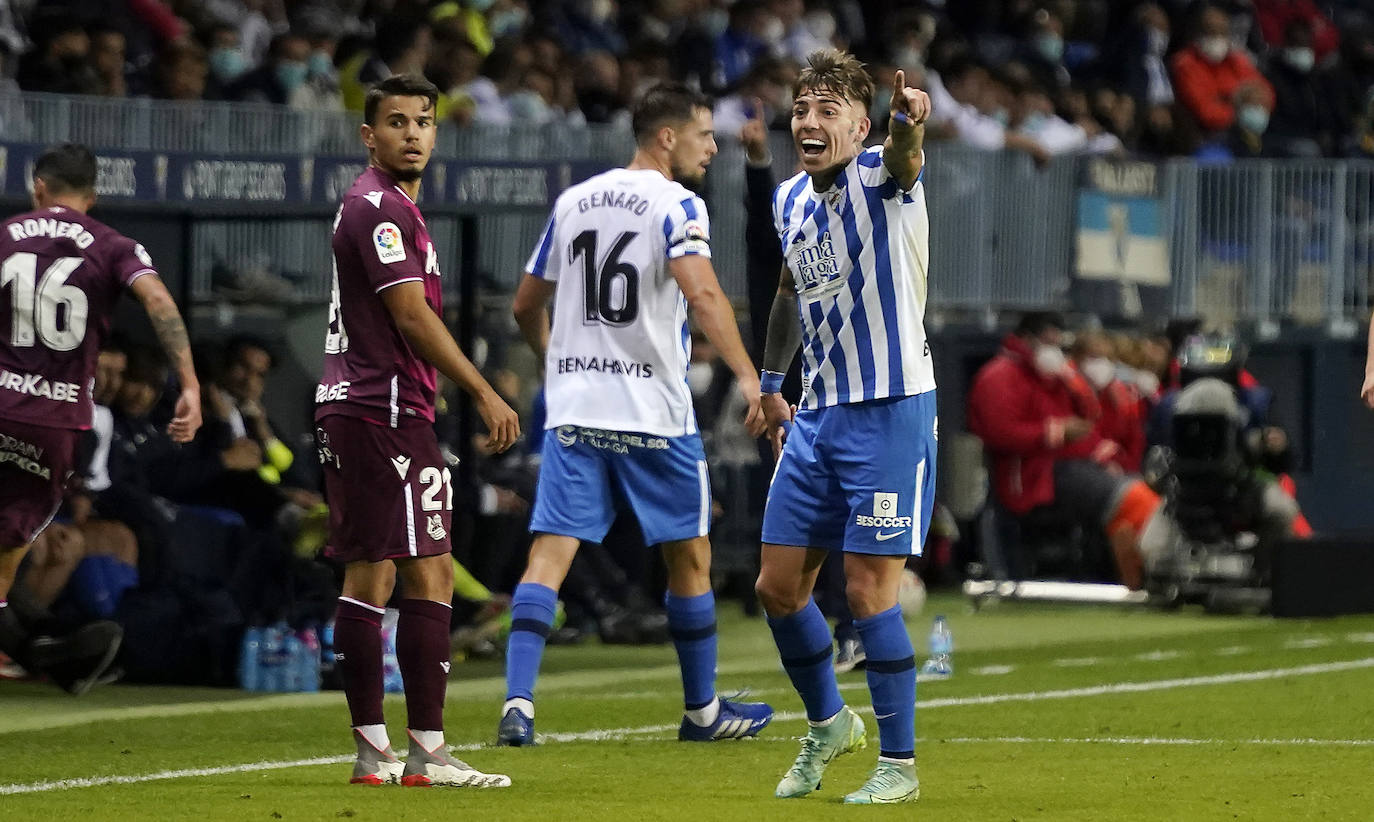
[
  {"x": 389, "y": 491},
  {"x": 61, "y": 273}
]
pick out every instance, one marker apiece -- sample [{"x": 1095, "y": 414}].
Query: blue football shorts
[
  {"x": 587, "y": 475},
  {"x": 857, "y": 477}
]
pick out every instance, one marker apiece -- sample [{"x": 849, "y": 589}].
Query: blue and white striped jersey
[
  {"x": 619, "y": 346},
  {"x": 858, "y": 254}
]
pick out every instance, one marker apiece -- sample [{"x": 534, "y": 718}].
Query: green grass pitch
[{"x": 1054, "y": 713}]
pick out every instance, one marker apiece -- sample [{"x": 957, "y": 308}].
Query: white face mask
[
  {"x": 1301, "y": 59},
  {"x": 1099, "y": 371},
  {"x": 773, "y": 31},
  {"x": 1214, "y": 48},
  {"x": 1049, "y": 360}
]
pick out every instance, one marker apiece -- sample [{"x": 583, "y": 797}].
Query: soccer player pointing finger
[{"x": 857, "y": 470}]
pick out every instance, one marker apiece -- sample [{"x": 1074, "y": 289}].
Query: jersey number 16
[{"x": 612, "y": 293}]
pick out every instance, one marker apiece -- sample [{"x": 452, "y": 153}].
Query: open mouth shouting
[{"x": 812, "y": 147}]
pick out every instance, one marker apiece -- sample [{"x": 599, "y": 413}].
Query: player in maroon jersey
[
  {"x": 61, "y": 273},
  {"x": 389, "y": 490}
]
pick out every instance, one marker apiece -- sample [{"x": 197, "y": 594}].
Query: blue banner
[{"x": 173, "y": 177}]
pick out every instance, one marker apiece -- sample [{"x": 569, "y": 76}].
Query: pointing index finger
[{"x": 899, "y": 81}]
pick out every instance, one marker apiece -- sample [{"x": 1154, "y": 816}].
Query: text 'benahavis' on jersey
[
  {"x": 858, "y": 254},
  {"x": 61, "y": 273},
  {"x": 370, "y": 369},
  {"x": 619, "y": 346}
]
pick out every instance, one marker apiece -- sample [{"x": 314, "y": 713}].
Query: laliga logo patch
[
  {"x": 567, "y": 436},
  {"x": 884, "y": 505},
  {"x": 142, "y": 254},
  {"x": 387, "y": 239}
]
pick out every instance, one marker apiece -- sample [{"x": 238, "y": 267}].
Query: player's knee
[
  {"x": 865, "y": 600},
  {"x": 778, "y": 599}
]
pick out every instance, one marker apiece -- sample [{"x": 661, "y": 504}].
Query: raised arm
[
  {"x": 906, "y": 131},
  {"x": 428, "y": 335},
  {"x": 171, "y": 332},
  {"x": 716, "y": 318}
]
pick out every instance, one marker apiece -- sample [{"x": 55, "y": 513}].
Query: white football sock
[
  {"x": 705, "y": 715},
  {"x": 375, "y": 735},
  {"x": 524, "y": 706}
]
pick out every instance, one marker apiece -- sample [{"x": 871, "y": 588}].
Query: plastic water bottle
[
  {"x": 391, "y": 668},
  {"x": 292, "y": 651},
  {"x": 250, "y": 672},
  {"x": 941, "y": 647},
  {"x": 271, "y": 655},
  {"x": 308, "y": 670},
  {"x": 327, "y": 646}
]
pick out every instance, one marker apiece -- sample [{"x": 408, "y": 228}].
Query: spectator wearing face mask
[
  {"x": 1037, "y": 417},
  {"x": 1303, "y": 123},
  {"x": 1276, "y": 16},
  {"x": 1122, "y": 420},
  {"x": 1217, "y": 83},
  {"x": 286, "y": 69}
]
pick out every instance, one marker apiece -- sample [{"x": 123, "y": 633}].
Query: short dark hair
[
  {"x": 398, "y": 85},
  {"x": 1033, "y": 323},
  {"x": 665, "y": 104},
  {"x": 236, "y": 345},
  {"x": 839, "y": 72},
  {"x": 68, "y": 168}
]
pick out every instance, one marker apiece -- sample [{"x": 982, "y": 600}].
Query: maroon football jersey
[
  {"x": 60, "y": 275},
  {"x": 370, "y": 370}
]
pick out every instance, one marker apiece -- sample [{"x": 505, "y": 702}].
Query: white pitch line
[
  {"x": 621, "y": 733},
  {"x": 1307, "y": 642},
  {"x": 1153, "y": 740},
  {"x": 1153, "y": 685},
  {"x": 992, "y": 670}
]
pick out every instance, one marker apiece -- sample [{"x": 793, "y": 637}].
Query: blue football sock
[
  {"x": 803, "y": 641},
  {"x": 891, "y": 669},
  {"x": 692, "y": 622},
  {"x": 531, "y": 618}
]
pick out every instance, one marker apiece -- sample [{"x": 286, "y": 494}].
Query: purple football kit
[
  {"x": 61, "y": 273},
  {"x": 389, "y": 491}
]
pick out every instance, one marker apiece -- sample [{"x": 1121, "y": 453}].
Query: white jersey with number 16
[{"x": 619, "y": 346}]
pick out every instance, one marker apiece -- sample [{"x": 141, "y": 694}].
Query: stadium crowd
[{"x": 1231, "y": 78}]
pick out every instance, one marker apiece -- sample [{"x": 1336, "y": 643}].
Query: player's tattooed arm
[
  {"x": 906, "y": 131},
  {"x": 784, "y": 336},
  {"x": 784, "y": 332},
  {"x": 171, "y": 332}
]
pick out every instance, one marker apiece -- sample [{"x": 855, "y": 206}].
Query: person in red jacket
[
  {"x": 1122, "y": 421},
  {"x": 1214, "y": 81},
  {"x": 1037, "y": 418},
  {"x": 1274, "y": 17}
]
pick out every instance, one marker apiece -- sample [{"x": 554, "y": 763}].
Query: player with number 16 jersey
[{"x": 626, "y": 254}]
